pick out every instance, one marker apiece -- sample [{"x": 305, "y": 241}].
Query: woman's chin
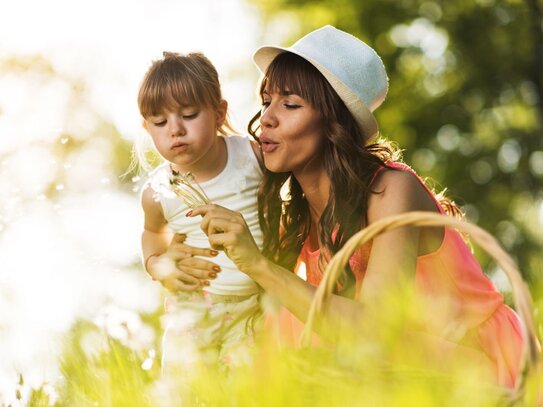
[{"x": 274, "y": 166}]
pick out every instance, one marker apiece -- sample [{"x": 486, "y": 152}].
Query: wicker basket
[{"x": 521, "y": 295}]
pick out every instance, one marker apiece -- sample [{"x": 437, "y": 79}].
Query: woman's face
[{"x": 292, "y": 133}]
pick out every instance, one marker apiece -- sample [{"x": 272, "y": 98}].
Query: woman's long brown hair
[{"x": 349, "y": 161}]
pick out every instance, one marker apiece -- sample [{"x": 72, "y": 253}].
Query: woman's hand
[
  {"x": 228, "y": 231},
  {"x": 178, "y": 270}
]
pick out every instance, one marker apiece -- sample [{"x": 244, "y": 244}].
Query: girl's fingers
[{"x": 179, "y": 238}]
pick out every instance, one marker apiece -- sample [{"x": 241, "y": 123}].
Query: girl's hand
[
  {"x": 228, "y": 231},
  {"x": 178, "y": 270}
]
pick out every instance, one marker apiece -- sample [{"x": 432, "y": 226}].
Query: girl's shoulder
[
  {"x": 245, "y": 150},
  {"x": 243, "y": 143}
]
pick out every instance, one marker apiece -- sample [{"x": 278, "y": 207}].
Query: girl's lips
[{"x": 179, "y": 147}]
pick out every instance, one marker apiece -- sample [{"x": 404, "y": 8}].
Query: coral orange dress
[{"x": 477, "y": 316}]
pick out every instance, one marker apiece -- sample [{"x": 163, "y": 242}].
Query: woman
[{"x": 316, "y": 132}]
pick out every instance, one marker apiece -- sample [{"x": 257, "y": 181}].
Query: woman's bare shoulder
[{"x": 398, "y": 191}]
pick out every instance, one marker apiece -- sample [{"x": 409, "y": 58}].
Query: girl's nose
[
  {"x": 176, "y": 127},
  {"x": 267, "y": 117}
]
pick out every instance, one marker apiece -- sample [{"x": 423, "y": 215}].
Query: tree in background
[{"x": 465, "y": 100}]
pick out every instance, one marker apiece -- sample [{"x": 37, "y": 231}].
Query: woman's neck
[{"x": 316, "y": 188}]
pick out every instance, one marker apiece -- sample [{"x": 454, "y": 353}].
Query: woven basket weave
[{"x": 521, "y": 295}]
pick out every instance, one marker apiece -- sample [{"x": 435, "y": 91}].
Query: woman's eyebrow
[{"x": 284, "y": 92}]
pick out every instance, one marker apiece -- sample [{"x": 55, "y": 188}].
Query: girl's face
[
  {"x": 185, "y": 134},
  {"x": 291, "y": 133}
]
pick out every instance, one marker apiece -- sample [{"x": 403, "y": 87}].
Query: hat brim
[{"x": 264, "y": 56}]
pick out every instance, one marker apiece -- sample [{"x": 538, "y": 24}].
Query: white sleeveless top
[{"x": 234, "y": 188}]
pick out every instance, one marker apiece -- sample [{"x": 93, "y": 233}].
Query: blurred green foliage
[
  {"x": 390, "y": 369},
  {"x": 465, "y": 99},
  {"x": 100, "y": 370}
]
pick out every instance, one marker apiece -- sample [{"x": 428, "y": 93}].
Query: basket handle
[{"x": 521, "y": 295}]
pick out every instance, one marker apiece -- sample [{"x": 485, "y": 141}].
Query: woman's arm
[
  {"x": 227, "y": 230},
  {"x": 391, "y": 265},
  {"x": 394, "y": 254},
  {"x": 166, "y": 257}
]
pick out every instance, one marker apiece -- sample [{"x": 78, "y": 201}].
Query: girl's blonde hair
[{"x": 179, "y": 80}]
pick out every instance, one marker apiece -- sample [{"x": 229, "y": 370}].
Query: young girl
[
  {"x": 210, "y": 306},
  {"x": 317, "y": 133}
]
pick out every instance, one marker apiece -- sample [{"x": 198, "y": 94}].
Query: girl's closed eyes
[{"x": 160, "y": 122}]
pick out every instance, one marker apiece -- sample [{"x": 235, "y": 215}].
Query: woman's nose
[{"x": 267, "y": 117}]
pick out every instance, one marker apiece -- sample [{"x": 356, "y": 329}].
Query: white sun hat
[{"x": 352, "y": 67}]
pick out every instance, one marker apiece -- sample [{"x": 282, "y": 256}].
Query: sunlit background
[
  {"x": 69, "y": 224},
  {"x": 465, "y": 103}
]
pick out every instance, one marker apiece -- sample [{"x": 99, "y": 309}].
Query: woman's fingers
[
  {"x": 178, "y": 250},
  {"x": 174, "y": 286},
  {"x": 202, "y": 210},
  {"x": 186, "y": 278},
  {"x": 220, "y": 221},
  {"x": 186, "y": 287},
  {"x": 182, "y": 251},
  {"x": 228, "y": 231},
  {"x": 220, "y": 225},
  {"x": 199, "y": 268}
]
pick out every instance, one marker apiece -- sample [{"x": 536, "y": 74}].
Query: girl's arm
[{"x": 166, "y": 257}]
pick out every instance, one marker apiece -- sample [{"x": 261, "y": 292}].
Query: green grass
[{"x": 99, "y": 370}]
